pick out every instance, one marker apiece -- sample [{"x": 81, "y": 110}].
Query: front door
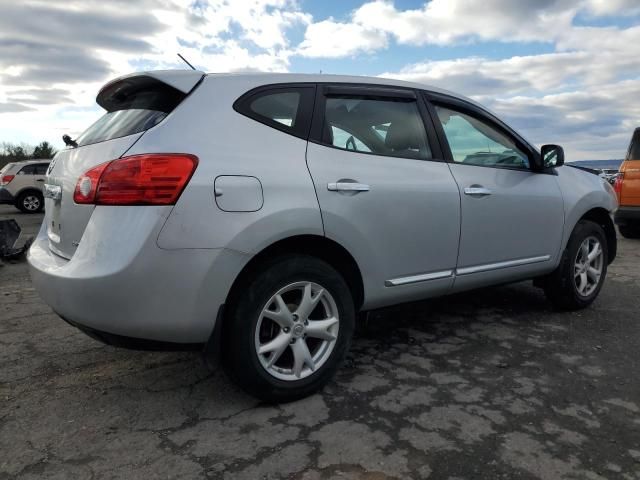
[
  {"x": 512, "y": 216},
  {"x": 384, "y": 191}
]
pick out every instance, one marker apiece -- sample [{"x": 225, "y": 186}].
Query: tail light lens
[
  {"x": 6, "y": 179},
  {"x": 151, "y": 179},
  {"x": 617, "y": 184}
]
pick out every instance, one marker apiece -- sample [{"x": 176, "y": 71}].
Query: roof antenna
[{"x": 186, "y": 61}]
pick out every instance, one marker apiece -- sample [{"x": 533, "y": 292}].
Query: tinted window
[
  {"x": 346, "y": 140},
  {"x": 284, "y": 107},
  {"x": 27, "y": 170},
  {"x": 385, "y": 127},
  {"x": 278, "y": 107},
  {"x": 634, "y": 147},
  {"x": 41, "y": 168},
  {"x": 119, "y": 124},
  {"x": 133, "y": 106},
  {"x": 476, "y": 142}
]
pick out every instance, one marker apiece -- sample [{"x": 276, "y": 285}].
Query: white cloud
[
  {"x": 613, "y": 7},
  {"x": 440, "y": 22},
  {"x": 55, "y": 55},
  {"x": 330, "y": 39},
  {"x": 447, "y": 22},
  {"x": 64, "y": 51},
  {"x": 572, "y": 98}
]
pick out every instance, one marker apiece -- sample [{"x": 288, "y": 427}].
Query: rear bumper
[
  {"x": 134, "y": 289},
  {"x": 132, "y": 342},
  {"x": 6, "y": 197},
  {"x": 627, "y": 215}
]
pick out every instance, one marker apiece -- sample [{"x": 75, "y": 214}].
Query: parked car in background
[
  {"x": 609, "y": 174},
  {"x": 627, "y": 186},
  {"x": 256, "y": 214},
  {"x": 21, "y": 184}
]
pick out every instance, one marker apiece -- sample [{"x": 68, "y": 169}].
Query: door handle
[
  {"x": 477, "y": 190},
  {"x": 348, "y": 187},
  {"x": 40, "y": 180}
]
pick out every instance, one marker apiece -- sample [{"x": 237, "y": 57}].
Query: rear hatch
[
  {"x": 630, "y": 171},
  {"x": 133, "y": 104}
]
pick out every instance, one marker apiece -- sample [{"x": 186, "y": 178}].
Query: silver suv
[
  {"x": 254, "y": 215},
  {"x": 21, "y": 184}
]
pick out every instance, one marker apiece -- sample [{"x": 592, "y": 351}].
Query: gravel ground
[{"x": 484, "y": 385}]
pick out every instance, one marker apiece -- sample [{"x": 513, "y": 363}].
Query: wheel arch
[
  {"x": 28, "y": 190},
  {"x": 314, "y": 245},
  {"x": 601, "y": 216}
]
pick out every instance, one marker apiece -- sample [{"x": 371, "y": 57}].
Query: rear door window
[
  {"x": 383, "y": 126},
  {"x": 41, "y": 168},
  {"x": 286, "y": 108},
  {"x": 27, "y": 170}
]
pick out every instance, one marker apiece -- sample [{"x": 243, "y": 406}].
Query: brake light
[
  {"x": 617, "y": 184},
  {"x": 6, "y": 179},
  {"x": 150, "y": 179}
]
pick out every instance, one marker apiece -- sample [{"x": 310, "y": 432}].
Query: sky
[{"x": 558, "y": 71}]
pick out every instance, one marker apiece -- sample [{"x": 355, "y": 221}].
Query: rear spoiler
[{"x": 113, "y": 94}]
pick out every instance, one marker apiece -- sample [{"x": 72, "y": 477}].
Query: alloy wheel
[
  {"x": 297, "y": 331},
  {"x": 31, "y": 203},
  {"x": 588, "y": 266}
]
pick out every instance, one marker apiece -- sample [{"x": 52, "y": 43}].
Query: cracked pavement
[{"x": 483, "y": 385}]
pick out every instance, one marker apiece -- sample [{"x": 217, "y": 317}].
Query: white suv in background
[{"x": 21, "y": 184}]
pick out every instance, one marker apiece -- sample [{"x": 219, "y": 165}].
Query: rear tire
[
  {"x": 30, "y": 202},
  {"x": 577, "y": 281},
  {"x": 629, "y": 231},
  {"x": 288, "y": 328}
]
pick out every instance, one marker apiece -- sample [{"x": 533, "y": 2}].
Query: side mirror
[{"x": 552, "y": 156}]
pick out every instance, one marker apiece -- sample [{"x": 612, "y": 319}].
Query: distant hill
[{"x": 612, "y": 164}]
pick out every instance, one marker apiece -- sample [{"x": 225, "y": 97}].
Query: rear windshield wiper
[{"x": 68, "y": 141}]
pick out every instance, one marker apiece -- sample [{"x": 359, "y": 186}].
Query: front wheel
[
  {"x": 288, "y": 328},
  {"x": 577, "y": 281},
  {"x": 30, "y": 202}
]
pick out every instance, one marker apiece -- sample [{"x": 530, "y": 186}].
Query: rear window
[
  {"x": 284, "y": 107},
  {"x": 41, "y": 168},
  {"x": 27, "y": 170},
  {"x": 634, "y": 146},
  {"x": 133, "y": 106}
]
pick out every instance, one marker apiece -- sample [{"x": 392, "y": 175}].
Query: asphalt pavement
[{"x": 483, "y": 385}]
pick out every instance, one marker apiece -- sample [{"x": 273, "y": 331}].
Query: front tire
[
  {"x": 30, "y": 202},
  {"x": 288, "y": 328},
  {"x": 577, "y": 281}
]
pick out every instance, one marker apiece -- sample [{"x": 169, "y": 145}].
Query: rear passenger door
[
  {"x": 40, "y": 171},
  {"x": 26, "y": 177},
  {"x": 384, "y": 191}
]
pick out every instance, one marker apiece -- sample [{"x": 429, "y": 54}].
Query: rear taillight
[
  {"x": 617, "y": 184},
  {"x": 6, "y": 179},
  {"x": 150, "y": 179}
]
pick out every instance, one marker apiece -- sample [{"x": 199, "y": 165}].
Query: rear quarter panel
[{"x": 228, "y": 143}]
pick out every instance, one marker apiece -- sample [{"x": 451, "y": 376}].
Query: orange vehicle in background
[{"x": 627, "y": 186}]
